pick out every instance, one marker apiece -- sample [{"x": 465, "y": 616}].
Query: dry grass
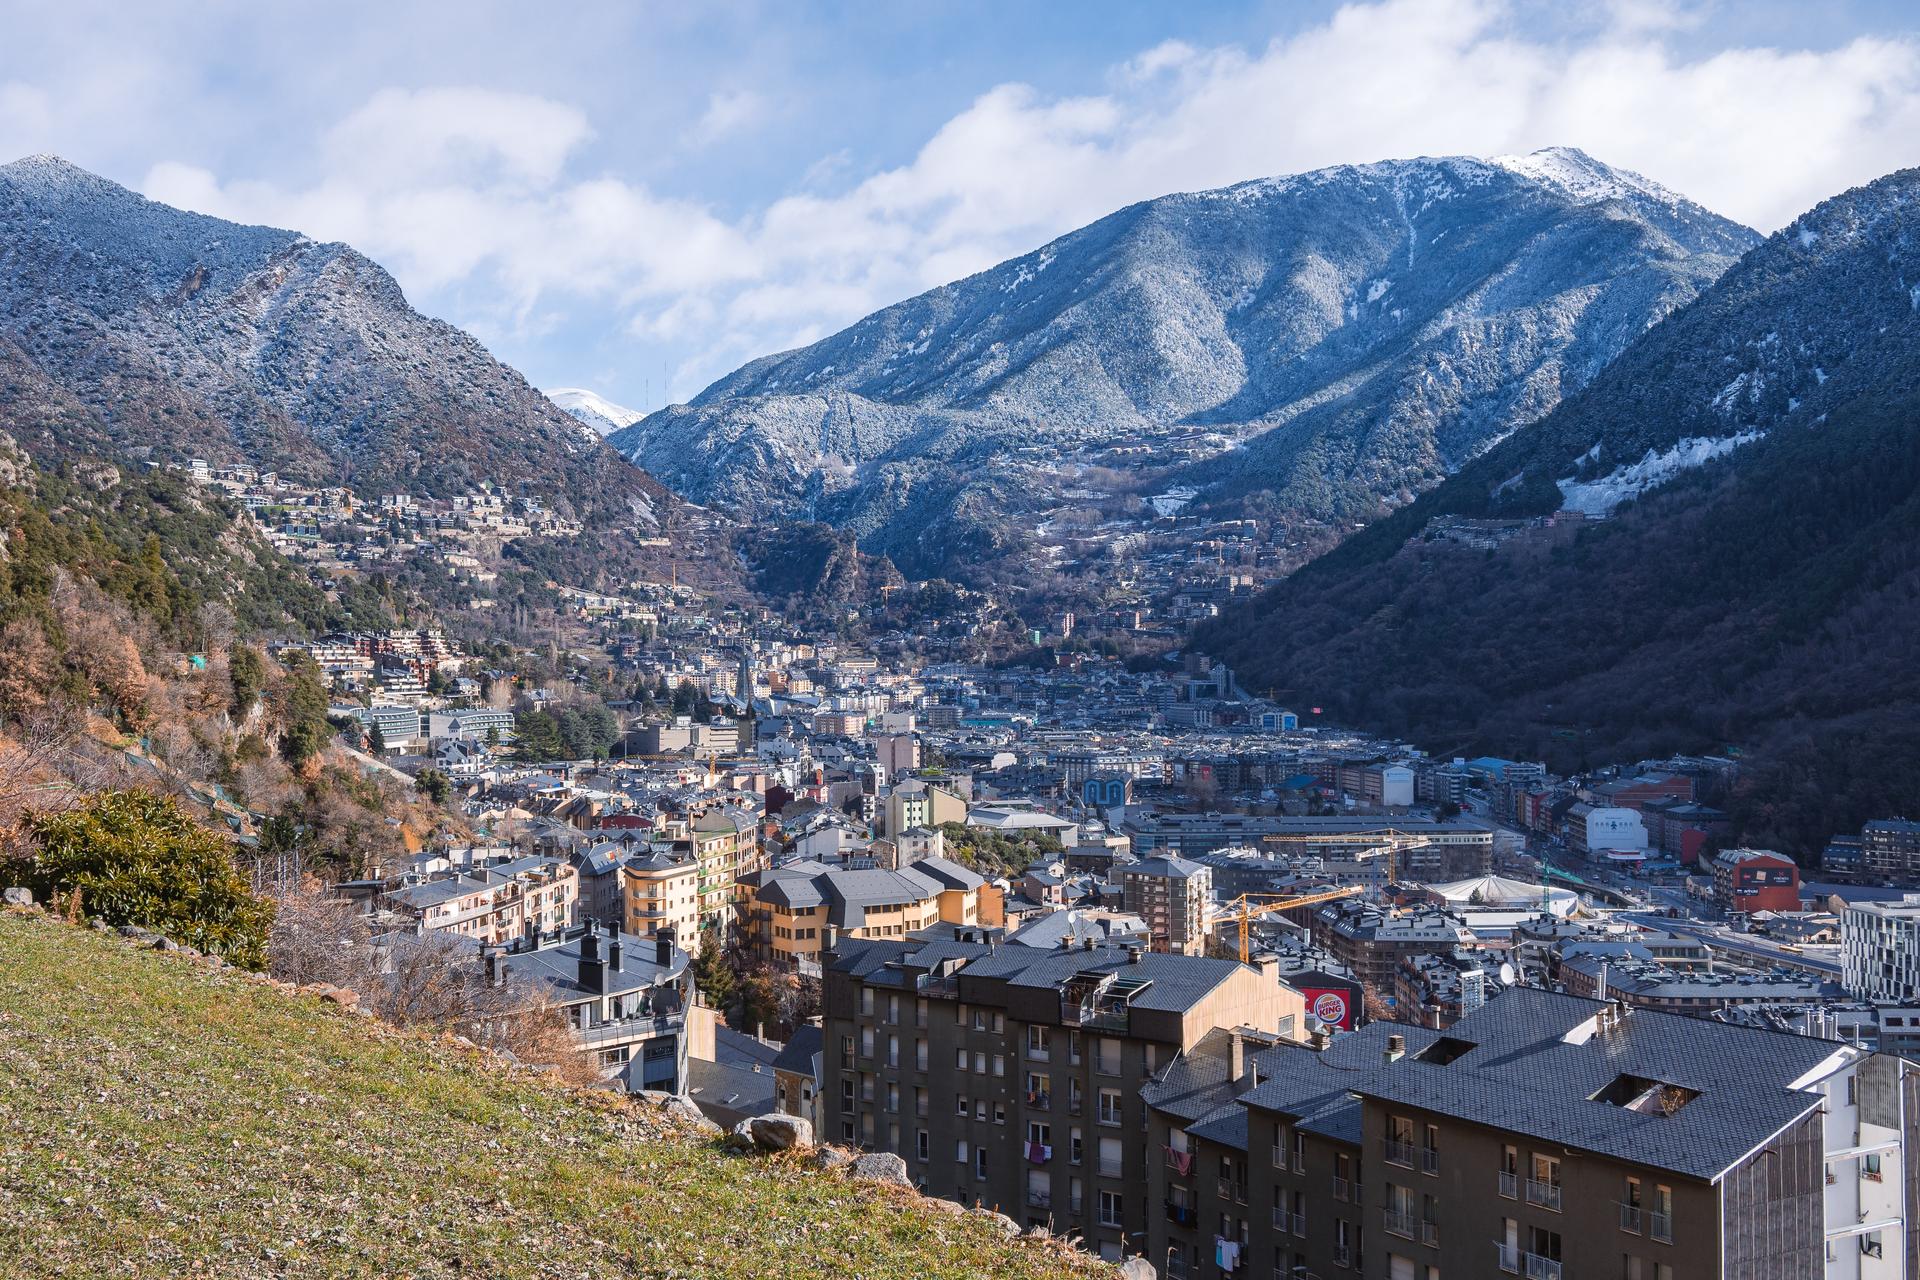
[{"x": 167, "y": 1119}]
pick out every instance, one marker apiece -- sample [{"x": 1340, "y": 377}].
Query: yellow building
[
  {"x": 662, "y": 891},
  {"x": 785, "y": 914},
  {"x": 726, "y": 845}
]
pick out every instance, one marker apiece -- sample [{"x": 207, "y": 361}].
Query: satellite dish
[{"x": 1507, "y": 974}]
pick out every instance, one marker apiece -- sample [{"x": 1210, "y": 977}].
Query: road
[{"x": 1744, "y": 944}]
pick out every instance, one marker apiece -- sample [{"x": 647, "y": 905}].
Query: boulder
[
  {"x": 741, "y": 1139},
  {"x": 16, "y": 896},
  {"x": 882, "y": 1166},
  {"x": 832, "y": 1158},
  {"x": 779, "y": 1132},
  {"x": 1138, "y": 1268},
  {"x": 686, "y": 1112},
  {"x": 346, "y": 999}
]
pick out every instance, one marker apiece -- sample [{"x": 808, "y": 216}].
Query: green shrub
[{"x": 137, "y": 858}]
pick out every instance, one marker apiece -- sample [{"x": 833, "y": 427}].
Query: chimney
[
  {"x": 593, "y": 971},
  {"x": 1396, "y": 1048},
  {"x": 1318, "y": 1039},
  {"x": 613, "y": 947},
  {"x": 663, "y": 948}
]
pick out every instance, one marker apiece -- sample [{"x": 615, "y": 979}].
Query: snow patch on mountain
[
  {"x": 601, "y": 417},
  {"x": 1600, "y": 497}
]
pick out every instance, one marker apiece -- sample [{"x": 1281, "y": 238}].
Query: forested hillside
[{"x": 1753, "y": 589}]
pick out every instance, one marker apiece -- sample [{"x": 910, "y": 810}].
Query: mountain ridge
[{"x": 1273, "y": 318}]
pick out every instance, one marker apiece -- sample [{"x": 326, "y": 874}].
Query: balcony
[
  {"x": 1234, "y": 1191},
  {"x": 1039, "y": 1199},
  {"x": 1429, "y": 1161},
  {"x": 1540, "y": 1267},
  {"x": 1040, "y": 1100},
  {"x": 1342, "y": 1190},
  {"x": 1506, "y": 1257},
  {"x": 1182, "y": 1215},
  {"x": 1509, "y": 1184},
  {"x": 1660, "y": 1226},
  {"x": 1039, "y": 1152},
  {"x": 1181, "y": 1162},
  {"x": 1430, "y": 1234},
  {"x": 1630, "y": 1218},
  {"x": 1544, "y": 1194},
  {"x": 1279, "y": 1156},
  {"x": 1342, "y": 1256},
  {"x": 1399, "y": 1224},
  {"x": 1400, "y": 1153}
]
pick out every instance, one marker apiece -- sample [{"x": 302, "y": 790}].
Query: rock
[
  {"x": 98, "y": 925},
  {"x": 688, "y": 1114},
  {"x": 136, "y": 933},
  {"x": 778, "y": 1132},
  {"x": 17, "y": 896},
  {"x": 936, "y": 1204},
  {"x": 346, "y": 999},
  {"x": 165, "y": 944},
  {"x": 882, "y": 1166},
  {"x": 832, "y": 1158},
  {"x": 1000, "y": 1222},
  {"x": 741, "y": 1139},
  {"x": 1138, "y": 1269}
]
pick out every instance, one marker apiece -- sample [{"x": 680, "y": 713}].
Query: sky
[{"x": 638, "y": 197}]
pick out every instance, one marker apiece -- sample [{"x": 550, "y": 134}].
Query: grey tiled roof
[{"x": 1522, "y": 1075}]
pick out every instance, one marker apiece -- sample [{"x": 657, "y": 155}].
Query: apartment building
[
  {"x": 491, "y": 904},
  {"x": 1880, "y": 950},
  {"x": 1011, "y": 1076},
  {"x": 661, "y": 892},
  {"x": 786, "y": 915},
  {"x": 1371, "y": 940},
  {"x": 1544, "y": 1136},
  {"x": 1890, "y": 850},
  {"x": 726, "y": 846},
  {"x": 1175, "y": 898},
  {"x": 626, "y": 999}
]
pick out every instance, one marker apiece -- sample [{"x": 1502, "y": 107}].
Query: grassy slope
[{"x": 165, "y": 1119}]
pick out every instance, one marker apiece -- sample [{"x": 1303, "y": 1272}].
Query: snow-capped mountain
[
  {"x": 188, "y": 336},
  {"x": 1310, "y": 348},
  {"x": 600, "y": 416},
  {"x": 1754, "y": 579}
]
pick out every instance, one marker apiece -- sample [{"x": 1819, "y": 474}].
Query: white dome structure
[{"x": 1495, "y": 904}]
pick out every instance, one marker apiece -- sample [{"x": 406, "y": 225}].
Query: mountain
[
  {"x": 188, "y": 336},
  {"x": 1752, "y": 585},
  {"x": 1313, "y": 349},
  {"x": 601, "y": 417}
]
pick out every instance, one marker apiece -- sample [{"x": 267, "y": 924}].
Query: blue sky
[{"x": 636, "y": 198}]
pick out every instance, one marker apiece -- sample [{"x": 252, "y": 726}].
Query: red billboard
[{"x": 1329, "y": 1007}]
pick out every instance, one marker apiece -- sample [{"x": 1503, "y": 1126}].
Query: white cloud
[
  {"x": 729, "y": 112},
  {"x": 474, "y": 191}
]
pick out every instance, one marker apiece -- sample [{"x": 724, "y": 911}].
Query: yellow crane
[{"x": 1249, "y": 907}]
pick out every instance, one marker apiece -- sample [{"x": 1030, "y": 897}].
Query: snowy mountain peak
[
  {"x": 601, "y": 417},
  {"x": 1575, "y": 174}
]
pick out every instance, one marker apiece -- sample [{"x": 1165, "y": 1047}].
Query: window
[
  {"x": 980, "y": 1063},
  {"x": 1039, "y": 1133},
  {"x": 1660, "y": 1222},
  {"x": 866, "y": 1001},
  {"x": 1076, "y": 1145},
  {"x": 1109, "y": 1208},
  {"x": 893, "y": 1009},
  {"x": 1039, "y": 1090},
  {"x": 961, "y": 1154},
  {"x": 846, "y": 1048},
  {"x": 1039, "y": 1042},
  {"x": 1110, "y": 1106},
  {"x": 922, "y": 1146},
  {"x": 1106, "y": 1058},
  {"x": 980, "y": 1163},
  {"x": 961, "y": 1106},
  {"x": 1000, "y": 1065},
  {"x": 893, "y": 1097}
]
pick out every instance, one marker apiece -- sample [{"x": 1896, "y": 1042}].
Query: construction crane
[{"x": 1249, "y": 907}]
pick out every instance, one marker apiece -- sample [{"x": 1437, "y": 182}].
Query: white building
[{"x": 1880, "y": 949}]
